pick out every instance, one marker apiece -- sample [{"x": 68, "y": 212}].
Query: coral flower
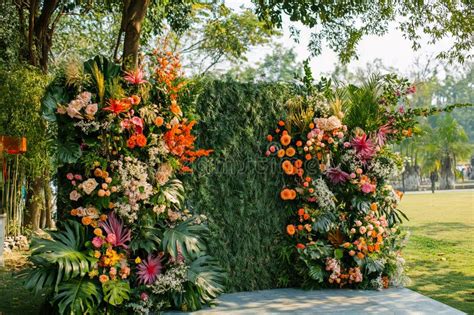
[
  {"x": 131, "y": 142},
  {"x": 269, "y": 138},
  {"x": 290, "y": 151},
  {"x": 288, "y": 194},
  {"x": 285, "y": 139},
  {"x": 149, "y": 269},
  {"x": 135, "y": 77},
  {"x": 290, "y": 229},
  {"x": 141, "y": 140},
  {"x": 301, "y": 211}
]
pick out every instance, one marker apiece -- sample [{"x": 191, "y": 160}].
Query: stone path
[{"x": 295, "y": 301}]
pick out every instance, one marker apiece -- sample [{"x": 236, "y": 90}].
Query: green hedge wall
[{"x": 237, "y": 187}]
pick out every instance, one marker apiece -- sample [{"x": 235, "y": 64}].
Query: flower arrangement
[
  {"x": 127, "y": 243},
  {"x": 336, "y": 158}
]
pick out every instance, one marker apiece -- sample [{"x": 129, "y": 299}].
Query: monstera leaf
[
  {"x": 69, "y": 151},
  {"x": 54, "y": 96},
  {"x": 187, "y": 237},
  {"x": 207, "y": 276},
  {"x": 116, "y": 292},
  {"x": 62, "y": 252},
  {"x": 77, "y": 296}
]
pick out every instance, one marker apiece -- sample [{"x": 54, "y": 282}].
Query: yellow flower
[
  {"x": 97, "y": 232},
  {"x": 138, "y": 260},
  {"x": 97, "y": 254}
]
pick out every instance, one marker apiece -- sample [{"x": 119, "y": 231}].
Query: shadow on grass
[{"x": 15, "y": 299}]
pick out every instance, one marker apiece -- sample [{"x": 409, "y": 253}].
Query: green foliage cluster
[{"x": 237, "y": 187}]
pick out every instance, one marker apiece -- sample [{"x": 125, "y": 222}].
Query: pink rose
[
  {"x": 362, "y": 230},
  {"x": 70, "y": 176},
  {"x": 353, "y": 175},
  {"x": 74, "y": 195},
  {"x": 111, "y": 238},
  {"x": 125, "y": 124},
  {"x": 347, "y": 144},
  {"x": 97, "y": 242},
  {"x": 366, "y": 188},
  {"x": 61, "y": 110},
  {"x": 73, "y": 183},
  {"x": 144, "y": 296},
  {"x": 91, "y": 109},
  {"x": 353, "y": 231},
  {"x": 78, "y": 177},
  {"x": 358, "y": 223}
]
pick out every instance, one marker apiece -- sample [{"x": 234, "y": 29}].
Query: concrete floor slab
[{"x": 296, "y": 301}]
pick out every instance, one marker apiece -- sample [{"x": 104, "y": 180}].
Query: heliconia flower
[
  {"x": 135, "y": 76},
  {"x": 149, "y": 269},
  {"x": 113, "y": 225},
  {"x": 364, "y": 147},
  {"x": 336, "y": 175}
]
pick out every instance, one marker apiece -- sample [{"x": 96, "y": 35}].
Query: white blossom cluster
[
  {"x": 171, "y": 281},
  {"x": 384, "y": 167},
  {"x": 349, "y": 160},
  {"x": 324, "y": 196},
  {"x": 134, "y": 184},
  {"x": 88, "y": 127},
  {"x": 156, "y": 152}
]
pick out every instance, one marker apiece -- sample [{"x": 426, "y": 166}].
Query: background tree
[{"x": 341, "y": 25}]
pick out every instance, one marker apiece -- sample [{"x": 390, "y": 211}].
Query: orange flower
[
  {"x": 373, "y": 206},
  {"x": 281, "y": 123},
  {"x": 284, "y": 132},
  {"x": 269, "y": 138},
  {"x": 131, "y": 142},
  {"x": 97, "y": 232},
  {"x": 285, "y": 139},
  {"x": 103, "y": 217},
  {"x": 300, "y": 246},
  {"x": 298, "y": 163},
  {"x": 288, "y": 194},
  {"x": 86, "y": 220},
  {"x": 346, "y": 245},
  {"x": 277, "y": 130},
  {"x": 135, "y": 99},
  {"x": 175, "y": 109},
  {"x": 308, "y": 156},
  {"x": 370, "y": 248},
  {"x": 301, "y": 211},
  {"x": 281, "y": 153},
  {"x": 141, "y": 140},
  {"x": 290, "y": 229},
  {"x": 311, "y": 125},
  {"x": 159, "y": 121},
  {"x": 306, "y": 216},
  {"x": 292, "y": 194},
  {"x": 103, "y": 278},
  {"x": 299, "y": 143},
  {"x": 322, "y": 167},
  {"x": 98, "y": 172},
  {"x": 319, "y": 155},
  {"x": 290, "y": 151},
  {"x": 300, "y": 227},
  {"x": 360, "y": 255},
  {"x": 287, "y": 167},
  {"x": 74, "y": 212}
]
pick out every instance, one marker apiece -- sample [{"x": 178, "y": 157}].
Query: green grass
[
  {"x": 14, "y": 299},
  {"x": 440, "y": 253}
]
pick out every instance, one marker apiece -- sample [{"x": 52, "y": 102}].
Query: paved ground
[{"x": 294, "y": 301}]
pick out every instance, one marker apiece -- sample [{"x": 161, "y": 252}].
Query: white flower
[
  {"x": 91, "y": 109},
  {"x": 89, "y": 185}
]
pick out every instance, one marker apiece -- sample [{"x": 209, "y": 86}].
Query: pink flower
[
  {"x": 73, "y": 183},
  {"x": 125, "y": 124},
  {"x": 144, "y": 296},
  {"x": 74, "y": 195},
  {"x": 111, "y": 238},
  {"x": 135, "y": 76},
  {"x": 353, "y": 175},
  {"x": 97, "y": 242},
  {"x": 353, "y": 231},
  {"x": 91, "y": 109},
  {"x": 364, "y": 147},
  {"x": 358, "y": 223},
  {"x": 149, "y": 269},
  {"x": 366, "y": 188},
  {"x": 78, "y": 177},
  {"x": 70, "y": 176},
  {"x": 362, "y": 230},
  {"x": 336, "y": 175},
  {"x": 138, "y": 122},
  {"x": 347, "y": 144}
]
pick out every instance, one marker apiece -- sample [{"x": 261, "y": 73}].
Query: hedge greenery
[{"x": 236, "y": 186}]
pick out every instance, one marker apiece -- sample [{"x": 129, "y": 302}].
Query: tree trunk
[
  {"x": 411, "y": 177},
  {"x": 34, "y": 204},
  {"x": 48, "y": 202},
  {"x": 132, "y": 20},
  {"x": 447, "y": 179}
]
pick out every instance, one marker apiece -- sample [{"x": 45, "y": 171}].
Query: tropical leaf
[
  {"x": 77, "y": 296},
  {"x": 316, "y": 273},
  {"x": 69, "y": 151},
  {"x": 116, "y": 292},
  {"x": 336, "y": 238},
  {"x": 173, "y": 191},
  {"x": 206, "y": 275},
  {"x": 63, "y": 251},
  {"x": 187, "y": 237},
  {"x": 49, "y": 104}
]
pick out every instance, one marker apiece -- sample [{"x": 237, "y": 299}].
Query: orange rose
[
  {"x": 360, "y": 255},
  {"x": 141, "y": 140},
  {"x": 306, "y": 216},
  {"x": 300, "y": 227},
  {"x": 285, "y": 139},
  {"x": 281, "y": 153},
  {"x": 311, "y": 125},
  {"x": 292, "y": 194},
  {"x": 135, "y": 99},
  {"x": 270, "y": 138},
  {"x": 159, "y": 121},
  {"x": 300, "y": 246},
  {"x": 281, "y": 123},
  {"x": 301, "y": 212},
  {"x": 74, "y": 212},
  {"x": 298, "y": 163},
  {"x": 288, "y": 194},
  {"x": 86, "y": 220},
  {"x": 373, "y": 206},
  {"x": 287, "y": 167},
  {"x": 299, "y": 143},
  {"x": 131, "y": 142},
  {"x": 290, "y": 229},
  {"x": 103, "y": 217},
  {"x": 98, "y": 172},
  {"x": 103, "y": 278},
  {"x": 290, "y": 151},
  {"x": 97, "y": 232},
  {"x": 308, "y": 156}
]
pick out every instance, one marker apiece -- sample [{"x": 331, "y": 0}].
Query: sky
[{"x": 391, "y": 48}]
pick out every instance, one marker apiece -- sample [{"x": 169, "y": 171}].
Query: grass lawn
[{"x": 440, "y": 253}]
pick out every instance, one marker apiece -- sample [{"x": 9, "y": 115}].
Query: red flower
[
  {"x": 132, "y": 142},
  {"x": 117, "y": 106},
  {"x": 364, "y": 147}
]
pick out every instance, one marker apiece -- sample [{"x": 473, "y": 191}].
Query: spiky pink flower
[
  {"x": 113, "y": 225},
  {"x": 135, "y": 76},
  {"x": 364, "y": 147},
  {"x": 149, "y": 269},
  {"x": 336, "y": 175}
]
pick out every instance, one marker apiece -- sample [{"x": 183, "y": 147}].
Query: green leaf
[
  {"x": 316, "y": 273},
  {"x": 77, "y": 296},
  {"x": 205, "y": 273},
  {"x": 69, "y": 151},
  {"x": 49, "y": 104},
  {"x": 115, "y": 292},
  {"x": 186, "y": 236},
  {"x": 338, "y": 253}
]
